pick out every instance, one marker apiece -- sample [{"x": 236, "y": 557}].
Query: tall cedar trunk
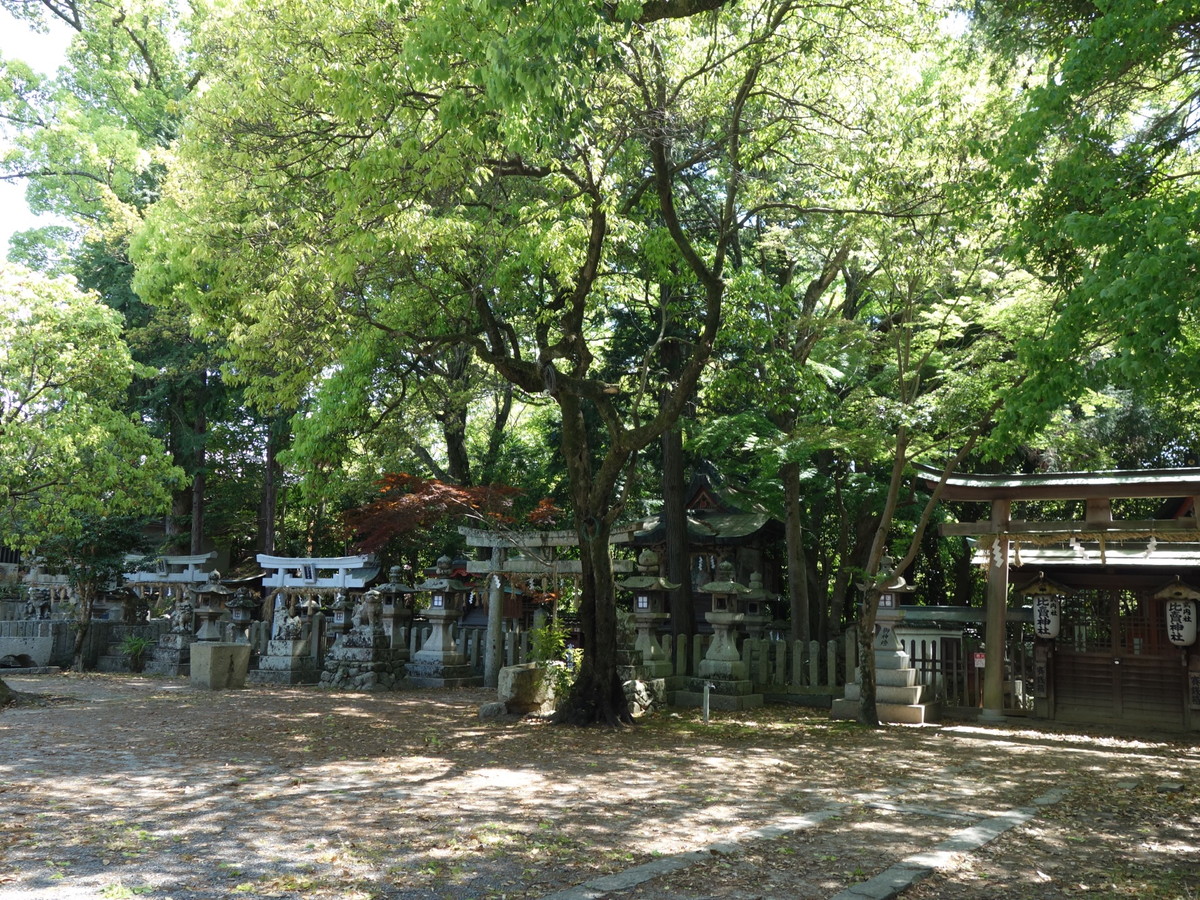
[
  {"x": 198, "y": 480},
  {"x": 181, "y": 499},
  {"x": 797, "y": 562},
  {"x": 683, "y": 619},
  {"x": 268, "y": 507}
]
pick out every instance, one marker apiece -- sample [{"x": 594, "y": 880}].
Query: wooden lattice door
[{"x": 1113, "y": 662}]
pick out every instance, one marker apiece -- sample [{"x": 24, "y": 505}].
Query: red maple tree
[{"x": 408, "y": 503}]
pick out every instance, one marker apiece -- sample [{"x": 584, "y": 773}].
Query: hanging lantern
[
  {"x": 1181, "y": 622},
  {"x": 1046, "y": 597},
  {"x": 1181, "y": 611},
  {"x": 1046, "y": 618}
]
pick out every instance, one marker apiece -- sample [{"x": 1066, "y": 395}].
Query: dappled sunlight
[{"x": 286, "y": 786}]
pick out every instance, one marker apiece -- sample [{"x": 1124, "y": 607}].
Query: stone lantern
[
  {"x": 722, "y": 671},
  {"x": 725, "y": 617},
  {"x": 649, "y": 591},
  {"x": 397, "y": 608},
  {"x": 439, "y": 663},
  {"x": 210, "y": 598},
  {"x": 754, "y": 602},
  {"x": 241, "y": 609},
  {"x": 215, "y": 663},
  {"x": 342, "y": 611}
]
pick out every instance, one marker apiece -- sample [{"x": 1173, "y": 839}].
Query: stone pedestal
[
  {"x": 287, "y": 661},
  {"x": 723, "y": 669},
  {"x": 898, "y": 696},
  {"x": 655, "y": 663},
  {"x": 363, "y": 660},
  {"x": 172, "y": 656},
  {"x": 218, "y": 665},
  {"x": 438, "y": 663}
]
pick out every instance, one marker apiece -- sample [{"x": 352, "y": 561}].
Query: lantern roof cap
[
  {"x": 1044, "y": 587},
  {"x": 442, "y": 584},
  {"x": 724, "y": 583},
  {"x": 1177, "y": 590},
  {"x": 646, "y": 583},
  {"x": 212, "y": 586},
  {"x": 757, "y": 591}
]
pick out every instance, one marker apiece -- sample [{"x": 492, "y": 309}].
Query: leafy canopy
[{"x": 66, "y": 451}]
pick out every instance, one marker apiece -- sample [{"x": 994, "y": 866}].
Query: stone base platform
[
  {"x": 891, "y": 713},
  {"x": 435, "y": 674},
  {"x": 171, "y": 655},
  {"x": 365, "y": 669},
  {"x": 726, "y": 695}
]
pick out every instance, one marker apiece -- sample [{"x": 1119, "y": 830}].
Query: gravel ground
[{"x": 126, "y": 786}]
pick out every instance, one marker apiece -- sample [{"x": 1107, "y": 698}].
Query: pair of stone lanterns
[{"x": 723, "y": 680}]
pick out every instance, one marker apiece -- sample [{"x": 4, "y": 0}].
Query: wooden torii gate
[
  {"x": 1000, "y": 534},
  {"x": 539, "y": 558}
]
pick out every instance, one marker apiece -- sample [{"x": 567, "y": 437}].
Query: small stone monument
[
  {"x": 289, "y": 657},
  {"x": 173, "y": 656},
  {"x": 898, "y": 696}
]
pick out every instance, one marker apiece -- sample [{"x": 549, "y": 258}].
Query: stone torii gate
[
  {"x": 1001, "y": 535},
  {"x": 539, "y": 557}
]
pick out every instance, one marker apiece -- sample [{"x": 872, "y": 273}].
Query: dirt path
[{"x": 145, "y": 787}]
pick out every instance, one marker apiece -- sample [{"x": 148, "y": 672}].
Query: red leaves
[
  {"x": 545, "y": 513},
  {"x": 408, "y": 503}
]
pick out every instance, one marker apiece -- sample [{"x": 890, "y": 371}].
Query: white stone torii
[
  {"x": 183, "y": 570},
  {"x": 297, "y": 573}
]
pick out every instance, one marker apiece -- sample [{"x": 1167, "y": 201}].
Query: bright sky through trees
[{"x": 43, "y": 52}]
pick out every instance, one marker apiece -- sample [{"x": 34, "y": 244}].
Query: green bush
[{"x": 135, "y": 646}]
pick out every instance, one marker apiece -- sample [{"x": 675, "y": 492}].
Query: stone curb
[
  {"x": 885, "y": 885},
  {"x": 621, "y": 881},
  {"x": 911, "y": 869}
]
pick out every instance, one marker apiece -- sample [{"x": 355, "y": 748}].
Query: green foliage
[
  {"x": 66, "y": 450},
  {"x": 548, "y": 643},
  {"x": 135, "y": 646},
  {"x": 1103, "y": 160},
  {"x": 548, "y": 649}
]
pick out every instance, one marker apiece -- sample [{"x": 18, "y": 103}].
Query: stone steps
[{"x": 892, "y": 713}]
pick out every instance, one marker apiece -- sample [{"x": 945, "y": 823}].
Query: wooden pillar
[{"x": 997, "y": 617}]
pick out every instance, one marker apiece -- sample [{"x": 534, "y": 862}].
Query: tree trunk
[
  {"x": 868, "y": 711},
  {"x": 683, "y": 618},
  {"x": 277, "y": 430},
  {"x": 597, "y": 696},
  {"x": 797, "y": 562},
  {"x": 198, "y": 480},
  {"x": 82, "y": 624}
]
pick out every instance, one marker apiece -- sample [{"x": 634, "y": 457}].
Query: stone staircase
[{"x": 899, "y": 699}]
